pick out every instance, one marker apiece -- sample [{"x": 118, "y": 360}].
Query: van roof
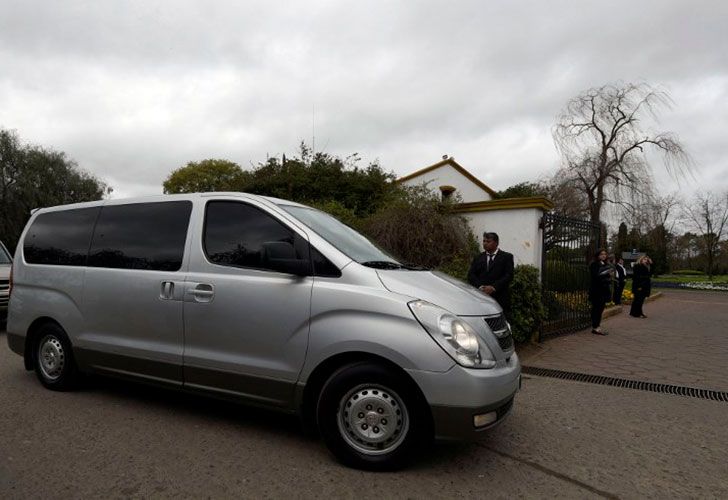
[{"x": 165, "y": 197}]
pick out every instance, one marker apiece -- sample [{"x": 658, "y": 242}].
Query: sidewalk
[{"x": 684, "y": 341}]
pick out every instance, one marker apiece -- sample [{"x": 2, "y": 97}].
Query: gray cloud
[{"x": 132, "y": 90}]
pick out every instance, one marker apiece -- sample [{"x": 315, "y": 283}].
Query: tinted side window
[
  {"x": 240, "y": 235},
  {"x": 147, "y": 236},
  {"x": 60, "y": 238}
]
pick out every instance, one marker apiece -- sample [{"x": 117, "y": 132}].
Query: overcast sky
[{"x": 134, "y": 89}]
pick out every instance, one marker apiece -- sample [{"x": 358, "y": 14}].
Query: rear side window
[
  {"x": 240, "y": 235},
  {"x": 148, "y": 236},
  {"x": 60, "y": 238}
]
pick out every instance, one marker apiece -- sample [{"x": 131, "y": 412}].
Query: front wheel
[
  {"x": 53, "y": 359},
  {"x": 371, "y": 418}
]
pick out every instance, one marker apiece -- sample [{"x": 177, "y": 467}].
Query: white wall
[
  {"x": 517, "y": 228},
  {"x": 446, "y": 175}
]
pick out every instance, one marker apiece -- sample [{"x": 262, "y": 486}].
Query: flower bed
[{"x": 693, "y": 285}]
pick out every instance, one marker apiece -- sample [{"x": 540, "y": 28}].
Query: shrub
[
  {"x": 527, "y": 309},
  {"x": 554, "y": 307},
  {"x": 419, "y": 228}
]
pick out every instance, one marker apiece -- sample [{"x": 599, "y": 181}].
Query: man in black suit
[{"x": 492, "y": 271}]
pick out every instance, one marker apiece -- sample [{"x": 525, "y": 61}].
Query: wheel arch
[{"x": 309, "y": 393}]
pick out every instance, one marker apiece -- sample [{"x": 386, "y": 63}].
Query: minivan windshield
[
  {"x": 343, "y": 237},
  {"x": 4, "y": 256}
]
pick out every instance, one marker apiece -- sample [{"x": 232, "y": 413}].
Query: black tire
[
  {"x": 53, "y": 359},
  {"x": 371, "y": 418}
]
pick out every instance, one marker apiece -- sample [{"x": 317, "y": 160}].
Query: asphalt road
[{"x": 564, "y": 439}]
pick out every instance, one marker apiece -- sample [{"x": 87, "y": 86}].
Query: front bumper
[
  {"x": 454, "y": 423},
  {"x": 458, "y": 395}
]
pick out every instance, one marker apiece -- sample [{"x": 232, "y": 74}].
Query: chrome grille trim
[{"x": 499, "y": 326}]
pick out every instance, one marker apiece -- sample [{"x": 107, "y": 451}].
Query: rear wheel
[
  {"x": 53, "y": 359},
  {"x": 371, "y": 418}
]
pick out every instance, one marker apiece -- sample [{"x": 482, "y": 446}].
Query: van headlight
[{"x": 454, "y": 335}]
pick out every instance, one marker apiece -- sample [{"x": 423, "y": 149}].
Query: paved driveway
[
  {"x": 683, "y": 341},
  {"x": 564, "y": 439}
]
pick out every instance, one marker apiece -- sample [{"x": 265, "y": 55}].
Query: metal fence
[{"x": 568, "y": 247}]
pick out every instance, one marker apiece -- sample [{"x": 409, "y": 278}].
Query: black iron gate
[{"x": 568, "y": 247}]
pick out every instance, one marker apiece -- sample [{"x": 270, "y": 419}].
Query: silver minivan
[{"x": 266, "y": 302}]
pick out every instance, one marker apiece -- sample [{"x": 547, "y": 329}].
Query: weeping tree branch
[{"x": 603, "y": 143}]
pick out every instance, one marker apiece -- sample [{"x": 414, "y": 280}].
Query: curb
[
  {"x": 531, "y": 350},
  {"x": 654, "y": 296},
  {"x": 615, "y": 310},
  {"x": 612, "y": 311}
]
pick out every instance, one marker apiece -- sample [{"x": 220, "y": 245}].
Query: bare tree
[
  {"x": 708, "y": 214},
  {"x": 603, "y": 141}
]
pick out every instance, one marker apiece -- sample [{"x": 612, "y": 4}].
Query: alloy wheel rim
[{"x": 372, "y": 419}]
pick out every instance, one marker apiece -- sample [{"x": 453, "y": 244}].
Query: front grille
[
  {"x": 501, "y": 330},
  {"x": 506, "y": 343},
  {"x": 497, "y": 323},
  {"x": 4, "y": 287}
]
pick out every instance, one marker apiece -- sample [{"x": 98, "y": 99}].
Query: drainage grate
[{"x": 679, "y": 390}]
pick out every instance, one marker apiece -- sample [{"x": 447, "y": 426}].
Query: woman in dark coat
[
  {"x": 641, "y": 285},
  {"x": 600, "y": 280}
]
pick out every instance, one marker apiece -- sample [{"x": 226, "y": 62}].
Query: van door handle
[
  {"x": 202, "y": 292},
  {"x": 167, "y": 292}
]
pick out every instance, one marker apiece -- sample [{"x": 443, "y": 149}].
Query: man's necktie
[{"x": 490, "y": 262}]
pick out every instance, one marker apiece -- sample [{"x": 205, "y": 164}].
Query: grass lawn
[{"x": 676, "y": 278}]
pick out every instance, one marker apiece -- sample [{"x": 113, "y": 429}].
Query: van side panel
[
  {"x": 129, "y": 328},
  {"x": 351, "y": 317},
  {"x": 46, "y": 291}
]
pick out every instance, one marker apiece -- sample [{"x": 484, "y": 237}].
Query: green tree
[
  {"x": 206, "y": 175},
  {"x": 36, "y": 177},
  {"x": 523, "y": 190},
  {"x": 311, "y": 178},
  {"x": 315, "y": 178},
  {"x": 658, "y": 239},
  {"x": 621, "y": 244}
]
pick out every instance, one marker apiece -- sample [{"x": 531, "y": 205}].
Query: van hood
[{"x": 440, "y": 289}]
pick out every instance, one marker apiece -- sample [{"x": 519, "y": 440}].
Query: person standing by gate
[
  {"x": 600, "y": 289},
  {"x": 620, "y": 276},
  {"x": 641, "y": 285},
  {"x": 492, "y": 271}
]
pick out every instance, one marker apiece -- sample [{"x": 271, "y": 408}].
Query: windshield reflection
[{"x": 344, "y": 238}]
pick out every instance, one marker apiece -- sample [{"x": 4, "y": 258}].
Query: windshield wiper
[
  {"x": 381, "y": 264},
  {"x": 414, "y": 267}
]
